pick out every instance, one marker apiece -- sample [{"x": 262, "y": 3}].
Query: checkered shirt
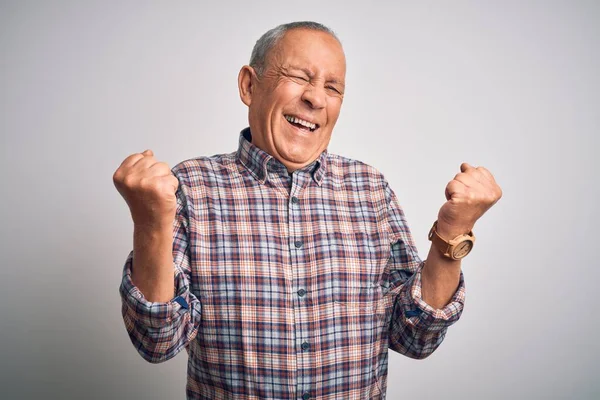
[{"x": 288, "y": 286}]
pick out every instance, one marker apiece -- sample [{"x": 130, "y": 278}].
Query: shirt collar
[{"x": 258, "y": 162}]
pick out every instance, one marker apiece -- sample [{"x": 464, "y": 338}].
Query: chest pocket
[{"x": 355, "y": 262}]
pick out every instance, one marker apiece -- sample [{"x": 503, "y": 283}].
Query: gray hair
[{"x": 268, "y": 40}]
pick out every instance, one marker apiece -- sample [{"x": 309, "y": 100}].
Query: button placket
[{"x": 301, "y": 276}]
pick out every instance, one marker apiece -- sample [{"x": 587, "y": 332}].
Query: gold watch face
[{"x": 462, "y": 249}]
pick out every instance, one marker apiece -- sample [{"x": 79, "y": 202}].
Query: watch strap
[{"x": 446, "y": 247}]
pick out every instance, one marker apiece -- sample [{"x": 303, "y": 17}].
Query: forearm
[
  {"x": 441, "y": 275},
  {"x": 152, "y": 269},
  {"x": 159, "y": 330},
  {"x": 160, "y": 312},
  {"x": 469, "y": 195},
  {"x": 423, "y": 311}
]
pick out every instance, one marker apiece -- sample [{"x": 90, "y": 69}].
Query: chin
[
  {"x": 294, "y": 159},
  {"x": 299, "y": 154}
]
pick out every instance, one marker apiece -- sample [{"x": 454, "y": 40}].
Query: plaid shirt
[{"x": 287, "y": 286}]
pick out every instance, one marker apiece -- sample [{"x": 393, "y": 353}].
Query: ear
[{"x": 246, "y": 84}]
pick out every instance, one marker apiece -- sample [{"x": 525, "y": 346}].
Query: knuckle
[
  {"x": 145, "y": 182},
  {"x": 149, "y": 184},
  {"x": 163, "y": 167},
  {"x": 117, "y": 176},
  {"x": 129, "y": 181}
]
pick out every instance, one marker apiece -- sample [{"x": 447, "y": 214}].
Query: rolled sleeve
[
  {"x": 420, "y": 315},
  {"x": 152, "y": 314},
  {"x": 416, "y": 328}
]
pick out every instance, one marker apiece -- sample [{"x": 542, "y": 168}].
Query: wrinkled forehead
[{"x": 317, "y": 51}]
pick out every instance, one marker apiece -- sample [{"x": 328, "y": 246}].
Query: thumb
[
  {"x": 148, "y": 152},
  {"x": 464, "y": 167}
]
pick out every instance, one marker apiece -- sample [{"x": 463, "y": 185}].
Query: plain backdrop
[{"x": 510, "y": 85}]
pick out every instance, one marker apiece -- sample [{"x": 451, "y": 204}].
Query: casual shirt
[{"x": 287, "y": 286}]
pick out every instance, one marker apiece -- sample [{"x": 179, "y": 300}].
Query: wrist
[
  {"x": 153, "y": 225},
  {"x": 449, "y": 231},
  {"x": 154, "y": 231},
  {"x": 457, "y": 244}
]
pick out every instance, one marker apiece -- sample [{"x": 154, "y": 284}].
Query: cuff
[
  {"x": 421, "y": 315},
  {"x": 152, "y": 314}
]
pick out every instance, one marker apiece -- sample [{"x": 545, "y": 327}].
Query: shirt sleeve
[
  {"x": 160, "y": 330},
  {"x": 416, "y": 328}
]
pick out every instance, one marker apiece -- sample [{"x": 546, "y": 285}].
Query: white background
[{"x": 510, "y": 85}]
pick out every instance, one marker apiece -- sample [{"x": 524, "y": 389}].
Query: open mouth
[{"x": 301, "y": 124}]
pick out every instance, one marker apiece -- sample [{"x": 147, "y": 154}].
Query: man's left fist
[{"x": 470, "y": 194}]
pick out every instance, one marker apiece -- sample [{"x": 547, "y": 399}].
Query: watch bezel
[
  {"x": 450, "y": 246},
  {"x": 456, "y": 248}
]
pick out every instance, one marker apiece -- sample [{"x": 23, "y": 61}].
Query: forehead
[{"x": 310, "y": 49}]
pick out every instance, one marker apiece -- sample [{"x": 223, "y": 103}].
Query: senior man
[{"x": 285, "y": 271}]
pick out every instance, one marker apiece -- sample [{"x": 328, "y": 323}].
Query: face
[{"x": 295, "y": 103}]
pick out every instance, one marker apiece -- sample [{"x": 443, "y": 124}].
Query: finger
[
  {"x": 144, "y": 163},
  {"x": 483, "y": 171},
  {"x": 453, "y": 187},
  {"x": 464, "y": 167},
  {"x": 135, "y": 157},
  {"x": 467, "y": 179},
  {"x": 160, "y": 169},
  {"x": 145, "y": 154},
  {"x": 476, "y": 174},
  {"x": 131, "y": 160}
]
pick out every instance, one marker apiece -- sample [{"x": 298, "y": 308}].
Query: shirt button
[
  {"x": 298, "y": 243},
  {"x": 301, "y": 292},
  {"x": 295, "y": 200},
  {"x": 304, "y": 346},
  {"x": 306, "y": 396}
]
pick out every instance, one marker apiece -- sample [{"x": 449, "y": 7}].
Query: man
[{"x": 285, "y": 271}]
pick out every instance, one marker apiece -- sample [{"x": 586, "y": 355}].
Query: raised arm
[
  {"x": 160, "y": 312},
  {"x": 149, "y": 188},
  {"x": 469, "y": 195}
]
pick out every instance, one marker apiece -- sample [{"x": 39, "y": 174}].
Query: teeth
[{"x": 302, "y": 122}]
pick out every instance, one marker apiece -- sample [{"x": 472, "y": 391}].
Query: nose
[{"x": 314, "y": 96}]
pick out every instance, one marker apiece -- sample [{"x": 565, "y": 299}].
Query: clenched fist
[
  {"x": 148, "y": 187},
  {"x": 469, "y": 195}
]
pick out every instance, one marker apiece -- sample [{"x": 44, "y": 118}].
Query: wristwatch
[{"x": 454, "y": 249}]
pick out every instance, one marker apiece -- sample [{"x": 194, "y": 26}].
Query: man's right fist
[{"x": 148, "y": 187}]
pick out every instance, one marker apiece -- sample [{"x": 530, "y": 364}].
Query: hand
[
  {"x": 469, "y": 195},
  {"x": 148, "y": 187}
]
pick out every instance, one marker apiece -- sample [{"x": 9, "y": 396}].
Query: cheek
[
  {"x": 289, "y": 91},
  {"x": 333, "y": 109}
]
